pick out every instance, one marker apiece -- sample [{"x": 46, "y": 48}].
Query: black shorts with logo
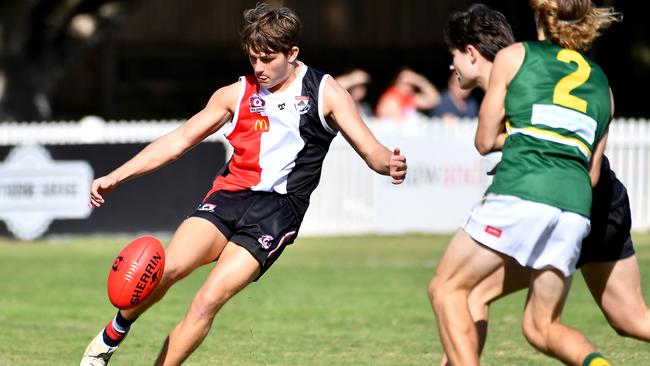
[
  {"x": 609, "y": 239},
  {"x": 263, "y": 223}
]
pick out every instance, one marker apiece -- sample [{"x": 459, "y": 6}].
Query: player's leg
[
  {"x": 542, "y": 327},
  {"x": 548, "y": 291},
  {"x": 235, "y": 269},
  {"x": 509, "y": 278},
  {"x": 196, "y": 242},
  {"x": 464, "y": 264},
  {"x": 264, "y": 224},
  {"x": 611, "y": 269},
  {"x": 507, "y": 227},
  {"x": 616, "y": 287}
]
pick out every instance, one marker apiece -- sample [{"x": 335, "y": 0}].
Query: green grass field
[{"x": 328, "y": 301}]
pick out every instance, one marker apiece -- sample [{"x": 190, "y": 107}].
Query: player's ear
[
  {"x": 472, "y": 52},
  {"x": 293, "y": 54}
]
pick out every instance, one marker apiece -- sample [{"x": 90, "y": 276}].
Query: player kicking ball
[{"x": 280, "y": 121}]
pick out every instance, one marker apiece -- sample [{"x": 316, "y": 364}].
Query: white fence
[
  {"x": 446, "y": 175},
  {"x": 628, "y": 149}
]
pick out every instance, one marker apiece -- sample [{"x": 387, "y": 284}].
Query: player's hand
[
  {"x": 397, "y": 166},
  {"x": 100, "y": 187}
]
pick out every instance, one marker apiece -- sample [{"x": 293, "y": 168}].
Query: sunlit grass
[{"x": 327, "y": 301}]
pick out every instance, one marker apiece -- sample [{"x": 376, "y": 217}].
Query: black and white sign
[{"x": 34, "y": 190}]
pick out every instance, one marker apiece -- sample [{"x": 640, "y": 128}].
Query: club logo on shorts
[
  {"x": 265, "y": 241},
  {"x": 493, "y": 231},
  {"x": 257, "y": 104},
  {"x": 208, "y": 207},
  {"x": 302, "y": 104}
]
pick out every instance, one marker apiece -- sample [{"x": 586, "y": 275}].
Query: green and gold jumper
[{"x": 557, "y": 107}]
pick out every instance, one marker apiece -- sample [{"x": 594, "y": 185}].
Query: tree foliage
[{"x": 40, "y": 40}]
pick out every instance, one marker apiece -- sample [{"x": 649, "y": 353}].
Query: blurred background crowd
[{"x": 162, "y": 59}]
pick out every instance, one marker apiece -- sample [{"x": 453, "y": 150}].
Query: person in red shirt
[{"x": 409, "y": 93}]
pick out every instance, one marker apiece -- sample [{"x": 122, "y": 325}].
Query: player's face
[
  {"x": 271, "y": 69},
  {"x": 464, "y": 68}
]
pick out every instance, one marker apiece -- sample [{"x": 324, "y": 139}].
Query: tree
[{"x": 40, "y": 40}]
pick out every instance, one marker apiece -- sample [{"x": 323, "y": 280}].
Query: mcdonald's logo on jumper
[{"x": 261, "y": 125}]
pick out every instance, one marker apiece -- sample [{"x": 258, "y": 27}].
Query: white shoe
[{"x": 97, "y": 353}]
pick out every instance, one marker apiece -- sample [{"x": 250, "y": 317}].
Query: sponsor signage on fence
[
  {"x": 446, "y": 177},
  {"x": 34, "y": 190}
]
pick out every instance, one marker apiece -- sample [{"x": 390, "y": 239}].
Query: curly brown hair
[
  {"x": 573, "y": 24},
  {"x": 270, "y": 29}
]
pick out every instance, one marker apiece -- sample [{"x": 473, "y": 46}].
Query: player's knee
[
  {"x": 207, "y": 303},
  {"x": 621, "y": 328},
  {"x": 621, "y": 331},
  {"x": 431, "y": 289},
  {"x": 437, "y": 289},
  {"x": 173, "y": 272},
  {"x": 631, "y": 329},
  {"x": 535, "y": 332},
  {"x": 532, "y": 335},
  {"x": 629, "y": 319}
]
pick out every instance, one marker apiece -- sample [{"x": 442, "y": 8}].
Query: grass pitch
[{"x": 327, "y": 301}]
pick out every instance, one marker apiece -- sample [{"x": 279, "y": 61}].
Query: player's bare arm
[
  {"x": 171, "y": 146},
  {"x": 597, "y": 155},
  {"x": 339, "y": 108},
  {"x": 597, "y": 159},
  {"x": 489, "y": 132}
]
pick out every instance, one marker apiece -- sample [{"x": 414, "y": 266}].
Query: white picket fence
[
  {"x": 628, "y": 149},
  {"x": 347, "y": 200},
  {"x": 445, "y": 173}
]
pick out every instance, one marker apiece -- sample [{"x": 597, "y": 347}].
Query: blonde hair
[{"x": 573, "y": 24}]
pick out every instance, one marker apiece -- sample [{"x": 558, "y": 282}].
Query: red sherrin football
[{"x": 137, "y": 269}]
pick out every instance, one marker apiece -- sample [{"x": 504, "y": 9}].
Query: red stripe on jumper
[{"x": 244, "y": 170}]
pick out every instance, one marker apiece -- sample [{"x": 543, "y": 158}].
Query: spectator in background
[
  {"x": 455, "y": 102},
  {"x": 356, "y": 83},
  {"x": 409, "y": 93}
]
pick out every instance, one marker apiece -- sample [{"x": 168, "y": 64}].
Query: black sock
[{"x": 124, "y": 323}]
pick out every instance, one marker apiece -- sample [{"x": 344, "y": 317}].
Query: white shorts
[{"x": 535, "y": 234}]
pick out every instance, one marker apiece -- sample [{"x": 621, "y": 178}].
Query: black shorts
[
  {"x": 609, "y": 239},
  {"x": 261, "y": 222}
]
